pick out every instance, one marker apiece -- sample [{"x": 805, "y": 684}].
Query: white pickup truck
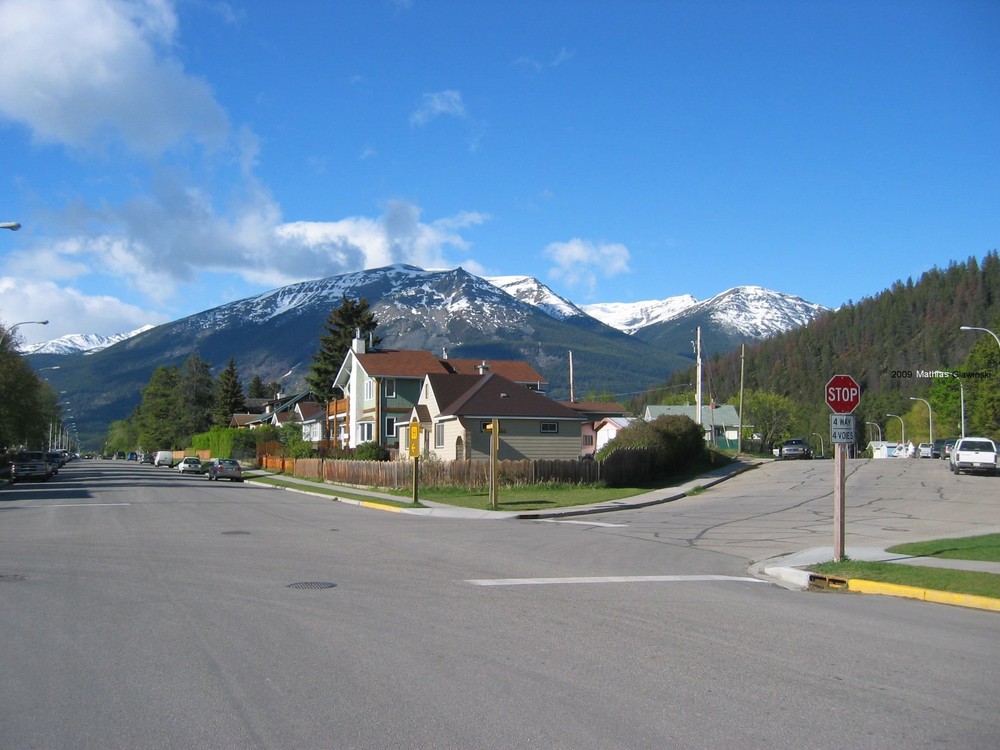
[{"x": 974, "y": 454}]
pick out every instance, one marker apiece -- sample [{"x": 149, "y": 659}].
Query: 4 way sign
[{"x": 843, "y": 394}]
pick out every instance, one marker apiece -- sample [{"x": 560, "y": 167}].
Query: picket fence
[{"x": 622, "y": 468}]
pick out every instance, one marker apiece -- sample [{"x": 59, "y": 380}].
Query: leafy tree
[
  {"x": 768, "y": 415},
  {"x": 290, "y": 436},
  {"x": 229, "y": 397},
  {"x": 27, "y": 408},
  {"x": 341, "y": 326},
  {"x": 371, "y": 451}
]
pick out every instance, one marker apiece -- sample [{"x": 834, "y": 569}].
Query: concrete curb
[{"x": 926, "y": 595}]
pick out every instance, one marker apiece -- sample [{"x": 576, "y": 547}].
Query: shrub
[
  {"x": 371, "y": 451},
  {"x": 672, "y": 441}
]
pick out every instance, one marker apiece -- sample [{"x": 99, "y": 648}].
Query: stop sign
[{"x": 843, "y": 394}]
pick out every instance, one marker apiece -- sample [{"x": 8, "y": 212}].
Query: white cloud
[
  {"x": 87, "y": 73},
  {"x": 68, "y": 310},
  {"x": 439, "y": 103},
  {"x": 581, "y": 262}
]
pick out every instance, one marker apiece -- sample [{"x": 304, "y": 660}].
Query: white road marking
[
  {"x": 586, "y": 523},
  {"x": 78, "y": 505},
  {"x": 607, "y": 579}
]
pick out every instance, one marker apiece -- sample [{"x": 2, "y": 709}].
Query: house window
[
  {"x": 390, "y": 427},
  {"x": 439, "y": 435},
  {"x": 390, "y": 387},
  {"x": 365, "y": 432},
  {"x": 485, "y": 426},
  {"x": 369, "y": 389},
  {"x": 588, "y": 439},
  {"x": 549, "y": 428}
]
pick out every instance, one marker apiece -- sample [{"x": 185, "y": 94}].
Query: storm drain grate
[
  {"x": 312, "y": 585},
  {"x": 11, "y": 578}
]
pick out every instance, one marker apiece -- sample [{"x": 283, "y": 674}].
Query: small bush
[{"x": 371, "y": 451}]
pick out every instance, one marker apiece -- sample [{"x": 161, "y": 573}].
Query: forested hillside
[{"x": 888, "y": 343}]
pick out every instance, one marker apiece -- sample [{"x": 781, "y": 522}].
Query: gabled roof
[
  {"x": 721, "y": 414},
  {"x": 309, "y": 410},
  {"x": 399, "y": 363},
  {"x": 596, "y": 409},
  {"x": 241, "y": 420},
  {"x": 516, "y": 370},
  {"x": 493, "y": 396}
]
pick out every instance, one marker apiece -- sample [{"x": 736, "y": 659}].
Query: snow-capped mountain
[
  {"x": 633, "y": 316},
  {"x": 80, "y": 343},
  {"x": 530, "y": 290},
  {"x": 452, "y": 313}
]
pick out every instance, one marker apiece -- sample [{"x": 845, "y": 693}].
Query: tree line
[
  {"x": 30, "y": 412},
  {"x": 902, "y": 344}
]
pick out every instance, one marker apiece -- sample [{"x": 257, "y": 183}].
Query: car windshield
[
  {"x": 29, "y": 456},
  {"x": 227, "y": 462},
  {"x": 977, "y": 445}
]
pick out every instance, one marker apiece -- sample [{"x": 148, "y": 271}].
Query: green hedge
[{"x": 219, "y": 441}]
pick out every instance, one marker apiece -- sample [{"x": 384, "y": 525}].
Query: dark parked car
[
  {"x": 29, "y": 465},
  {"x": 795, "y": 448},
  {"x": 225, "y": 468},
  {"x": 55, "y": 459}
]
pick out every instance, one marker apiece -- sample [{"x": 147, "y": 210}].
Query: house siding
[{"x": 522, "y": 438}]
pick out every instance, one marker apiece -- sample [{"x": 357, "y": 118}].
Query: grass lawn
[
  {"x": 985, "y": 547},
  {"x": 525, "y": 498}
]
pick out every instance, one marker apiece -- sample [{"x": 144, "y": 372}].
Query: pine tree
[
  {"x": 195, "y": 397},
  {"x": 157, "y": 414},
  {"x": 257, "y": 389},
  {"x": 341, "y": 326},
  {"x": 228, "y": 395}
]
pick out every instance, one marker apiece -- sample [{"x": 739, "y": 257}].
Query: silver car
[{"x": 225, "y": 468}]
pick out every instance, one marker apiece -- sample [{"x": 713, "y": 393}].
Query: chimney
[
  {"x": 483, "y": 368},
  {"x": 358, "y": 344}
]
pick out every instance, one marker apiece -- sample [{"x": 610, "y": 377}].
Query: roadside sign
[
  {"x": 842, "y": 429},
  {"x": 843, "y": 394},
  {"x": 414, "y": 440}
]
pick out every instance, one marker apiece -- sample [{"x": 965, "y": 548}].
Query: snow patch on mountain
[
  {"x": 757, "y": 313},
  {"x": 629, "y": 317},
  {"x": 530, "y": 290},
  {"x": 81, "y": 343}
]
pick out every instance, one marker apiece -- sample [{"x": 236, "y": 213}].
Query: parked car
[
  {"x": 189, "y": 465},
  {"x": 164, "y": 458},
  {"x": 146, "y": 458},
  {"x": 120, "y": 456},
  {"x": 225, "y": 468},
  {"x": 29, "y": 465},
  {"x": 949, "y": 444},
  {"x": 794, "y": 448},
  {"x": 974, "y": 454},
  {"x": 925, "y": 450},
  {"x": 55, "y": 461}
]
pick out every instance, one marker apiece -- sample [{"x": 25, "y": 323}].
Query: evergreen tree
[
  {"x": 229, "y": 397},
  {"x": 195, "y": 397},
  {"x": 257, "y": 389},
  {"x": 159, "y": 427},
  {"x": 341, "y": 326}
]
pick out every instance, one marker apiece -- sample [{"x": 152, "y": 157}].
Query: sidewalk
[{"x": 443, "y": 510}]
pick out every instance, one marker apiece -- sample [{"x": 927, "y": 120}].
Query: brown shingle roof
[
  {"x": 395, "y": 363},
  {"x": 492, "y": 395},
  {"x": 512, "y": 369}
]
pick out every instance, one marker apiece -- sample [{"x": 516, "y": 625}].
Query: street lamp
[
  {"x": 877, "y": 427},
  {"x": 901, "y": 426},
  {"x": 822, "y": 449},
  {"x": 987, "y": 330},
  {"x": 11, "y": 225},
  {"x": 930, "y": 418},
  {"x": 10, "y": 330}
]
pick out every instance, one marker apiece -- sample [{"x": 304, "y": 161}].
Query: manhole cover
[
  {"x": 235, "y": 533},
  {"x": 11, "y": 578},
  {"x": 312, "y": 585}
]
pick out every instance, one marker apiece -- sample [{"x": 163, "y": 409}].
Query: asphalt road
[{"x": 141, "y": 609}]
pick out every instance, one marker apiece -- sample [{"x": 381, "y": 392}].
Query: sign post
[
  {"x": 843, "y": 394},
  {"x": 414, "y": 445}
]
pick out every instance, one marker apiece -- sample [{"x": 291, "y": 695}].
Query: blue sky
[{"x": 167, "y": 156}]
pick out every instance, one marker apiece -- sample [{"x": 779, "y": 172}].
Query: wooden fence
[{"x": 622, "y": 468}]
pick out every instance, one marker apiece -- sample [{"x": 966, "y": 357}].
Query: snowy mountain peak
[
  {"x": 81, "y": 343},
  {"x": 530, "y": 290},
  {"x": 631, "y": 316},
  {"x": 758, "y": 313}
]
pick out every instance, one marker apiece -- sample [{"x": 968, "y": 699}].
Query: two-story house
[{"x": 382, "y": 386}]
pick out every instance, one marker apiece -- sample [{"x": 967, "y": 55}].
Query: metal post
[{"x": 839, "y": 486}]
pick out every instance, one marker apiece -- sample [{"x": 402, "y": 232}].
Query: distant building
[{"x": 721, "y": 421}]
